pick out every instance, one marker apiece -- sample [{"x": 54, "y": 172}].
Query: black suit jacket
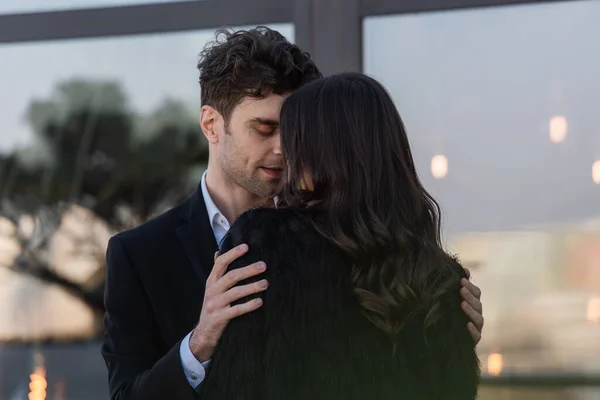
[{"x": 156, "y": 275}]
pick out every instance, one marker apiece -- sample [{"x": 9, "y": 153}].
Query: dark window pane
[
  {"x": 509, "y": 98},
  {"x": 18, "y": 6}
]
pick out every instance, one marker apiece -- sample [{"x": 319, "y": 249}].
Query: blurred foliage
[{"x": 92, "y": 149}]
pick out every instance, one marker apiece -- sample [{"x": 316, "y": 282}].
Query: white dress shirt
[{"x": 195, "y": 370}]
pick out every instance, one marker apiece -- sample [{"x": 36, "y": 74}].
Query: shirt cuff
[{"x": 194, "y": 370}]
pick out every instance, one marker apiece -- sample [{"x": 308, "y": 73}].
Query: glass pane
[
  {"x": 18, "y": 6},
  {"x": 507, "y": 99},
  {"x": 113, "y": 124}
]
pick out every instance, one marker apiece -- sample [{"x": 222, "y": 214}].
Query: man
[{"x": 167, "y": 294}]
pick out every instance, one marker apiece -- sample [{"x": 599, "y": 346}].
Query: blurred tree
[{"x": 91, "y": 149}]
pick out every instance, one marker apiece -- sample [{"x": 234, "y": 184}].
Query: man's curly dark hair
[{"x": 255, "y": 63}]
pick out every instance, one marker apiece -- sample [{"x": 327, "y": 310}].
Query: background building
[{"x": 500, "y": 99}]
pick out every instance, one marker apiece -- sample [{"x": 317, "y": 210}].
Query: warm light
[
  {"x": 596, "y": 172},
  {"x": 59, "y": 390},
  {"x": 494, "y": 364},
  {"x": 38, "y": 384},
  {"x": 593, "y": 310},
  {"x": 439, "y": 166},
  {"x": 558, "y": 129}
]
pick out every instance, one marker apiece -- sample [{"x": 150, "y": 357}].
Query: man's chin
[
  {"x": 271, "y": 191},
  {"x": 267, "y": 189}
]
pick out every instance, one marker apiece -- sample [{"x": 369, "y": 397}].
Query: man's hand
[
  {"x": 472, "y": 307},
  {"x": 219, "y": 294}
]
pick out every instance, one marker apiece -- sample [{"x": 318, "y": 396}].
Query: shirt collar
[{"x": 211, "y": 208}]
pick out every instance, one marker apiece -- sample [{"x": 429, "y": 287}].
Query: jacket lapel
[{"x": 197, "y": 236}]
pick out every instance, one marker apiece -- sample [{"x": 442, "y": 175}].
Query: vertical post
[{"x": 331, "y": 31}]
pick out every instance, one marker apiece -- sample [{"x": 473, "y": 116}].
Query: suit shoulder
[{"x": 153, "y": 229}]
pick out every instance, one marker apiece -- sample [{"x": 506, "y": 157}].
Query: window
[
  {"x": 18, "y": 6},
  {"x": 500, "y": 106}
]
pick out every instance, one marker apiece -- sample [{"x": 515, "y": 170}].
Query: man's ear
[{"x": 210, "y": 123}]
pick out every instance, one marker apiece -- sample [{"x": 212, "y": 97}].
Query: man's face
[{"x": 250, "y": 149}]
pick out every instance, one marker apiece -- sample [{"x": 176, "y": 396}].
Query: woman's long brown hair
[{"x": 345, "y": 133}]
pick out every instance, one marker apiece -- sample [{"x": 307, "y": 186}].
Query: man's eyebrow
[{"x": 265, "y": 121}]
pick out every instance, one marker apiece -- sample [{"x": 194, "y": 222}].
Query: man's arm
[
  {"x": 198, "y": 346},
  {"x": 450, "y": 346},
  {"x": 194, "y": 370},
  {"x": 131, "y": 349},
  {"x": 235, "y": 371},
  {"x": 472, "y": 307},
  {"x": 220, "y": 294},
  {"x": 137, "y": 367}
]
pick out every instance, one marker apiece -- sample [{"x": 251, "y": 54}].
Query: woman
[{"x": 363, "y": 302}]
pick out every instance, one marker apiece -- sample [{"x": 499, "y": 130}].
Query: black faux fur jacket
[{"x": 310, "y": 340}]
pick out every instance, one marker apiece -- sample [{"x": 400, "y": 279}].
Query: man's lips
[{"x": 273, "y": 172}]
